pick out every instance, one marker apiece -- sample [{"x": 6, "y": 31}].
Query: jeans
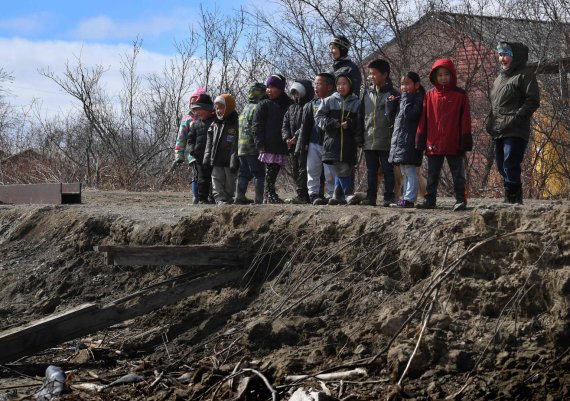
[
  {"x": 315, "y": 168},
  {"x": 375, "y": 159},
  {"x": 455, "y": 163},
  {"x": 250, "y": 167},
  {"x": 509, "y": 153},
  {"x": 410, "y": 182}
]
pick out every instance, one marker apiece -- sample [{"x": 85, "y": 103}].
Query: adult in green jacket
[{"x": 514, "y": 98}]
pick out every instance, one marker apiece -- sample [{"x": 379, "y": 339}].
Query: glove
[
  {"x": 175, "y": 164},
  {"x": 466, "y": 143}
]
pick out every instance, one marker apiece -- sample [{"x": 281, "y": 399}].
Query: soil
[{"x": 325, "y": 288}]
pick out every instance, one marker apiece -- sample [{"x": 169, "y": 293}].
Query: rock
[
  {"x": 459, "y": 360},
  {"x": 398, "y": 357},
  {"x": 83, "y": 356},
  {"x": 259, "y": 333},
  {"x": 392, "y": 325}
]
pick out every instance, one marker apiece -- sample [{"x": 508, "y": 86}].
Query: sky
[{"x": 43, "y": 35}]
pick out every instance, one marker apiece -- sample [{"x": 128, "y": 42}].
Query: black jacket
[
  {"x": 403, "y": 145},
  {"x": 268, "y": 122},
  {"x": 293, "y": 118},
  {"x": 514, "y": 98},
  {"x": 222, "y": 145},
  {"x": 198, "y": 137}
]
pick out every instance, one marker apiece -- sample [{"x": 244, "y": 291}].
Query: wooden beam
[
  {"x": 48, "y": 332},
  {"x": 50, "y": 193},
  {"x": 187, "y": 255}
]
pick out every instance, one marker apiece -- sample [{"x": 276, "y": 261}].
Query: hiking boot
[
  {"x": 195, "y": 201},
  {"x": 353, "y": 200},
  {"x": 426, "y": 204},
  {"x": 242, "y": 200},
  {"x": 317, "y": 200},
  {"x": 336, "y": 201},
  {"x": 387, "y": 202},
  {"x": 273, "y": 199},
  {"x": 459, "y": 206},
  {"x": 404, "y": 203}
]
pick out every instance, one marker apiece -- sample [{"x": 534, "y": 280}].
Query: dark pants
[
  {"x": 509, "y": 153},
  {"x": 250, "y": 167},
  {"x": 203, "y": 174},
  {"x": 435, "y": 164},
  {"x": 375, "y": 158},
  {"x": 299, "y": 170},
  {"x": 271, "y": 173}
]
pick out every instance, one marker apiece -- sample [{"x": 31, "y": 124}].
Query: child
[
  {"x": 301, "y": 92},
  {"x": 202, "y": 109},
  {"x": 403, "y": 150},
  {"x": 339, "y": 47},
  {"x": 338, "y": 117},
  {"x": 444, "y": 132},
  {"x": 182, "y": 139},
  {"x": 514, "y": 98},
  {"x": 267, "y": 124},
  {"x": 249, "y": 164},
  {"x": 221, "y": 149},
  {"x": 311, "y": 141},
  {"x": 378, "y": 111}
]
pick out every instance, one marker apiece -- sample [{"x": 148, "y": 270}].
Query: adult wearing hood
[
  {"x": 514, "y": 98},
  {"x": 301, "y": 92}
]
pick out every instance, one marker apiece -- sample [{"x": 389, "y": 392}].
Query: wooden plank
[
  {"x": 53, "y": 330},
  {"x": 31, "y": 193},
  {"x": 188, "y": 255}
]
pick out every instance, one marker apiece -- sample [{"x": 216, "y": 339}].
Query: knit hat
[
  {"x": 204, "y": 101},
  {"x": 381, "y": 65},
  {"x": 227, "y": 100},
  {"x": 199, "y": 90},
  {"x": 299, "y": 88},
  {"x": 276, "y": 80},
  {"x": 256, "y": 91},
  {"x": 343, "y": 72},
  {"x": 342, "y": 43},
  {"x": 504, "y": 48}
]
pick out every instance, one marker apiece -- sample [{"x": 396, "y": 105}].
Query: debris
[
  {"x": 349, "y": 374},
  {"x": 126, "y": 379},
  {"x": 54, "y": 384}
]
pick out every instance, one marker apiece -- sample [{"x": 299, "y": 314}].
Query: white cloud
[
  {"x": 103, "y": 27},
  {"x": 30, "y": 24},
  {"x": 23, "y": 58}
]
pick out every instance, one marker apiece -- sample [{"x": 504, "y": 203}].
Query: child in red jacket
[{"x": 444, "y": 132}]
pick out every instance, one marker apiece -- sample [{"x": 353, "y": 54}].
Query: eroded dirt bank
[{"x": 327, "y": 288}]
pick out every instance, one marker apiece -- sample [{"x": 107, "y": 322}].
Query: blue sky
[{"x": 40, "y": 35}]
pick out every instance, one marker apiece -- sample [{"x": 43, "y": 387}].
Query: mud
[{"x": 325, "y": 289}]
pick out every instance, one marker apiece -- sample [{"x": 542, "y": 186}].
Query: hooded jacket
[
  {"x": 354, "y": 72},
  {"x": 340, "y": 144},
  {"x": 514, "y": 98},
  {"x": 445, "y": 124},
  {"x": 293, "y": 118},
  {"x": 377, "y": 114},
  {"x": 246, "y": 143},
  {"x": 268, "y": 122},
  {"x": 221, "y": 148},
  {"x": 182, "y": 136},
  {"x": 403, "y": 150}
]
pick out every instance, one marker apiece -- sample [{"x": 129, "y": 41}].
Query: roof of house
[{"x": 546, "y": 40}]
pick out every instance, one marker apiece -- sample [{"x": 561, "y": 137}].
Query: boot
[
  {"x": 514, "y": 194},
  {"x": 519, "y": 195},
  {"x": 338, "y": 196},
  {"x": 507, "y": 192}
]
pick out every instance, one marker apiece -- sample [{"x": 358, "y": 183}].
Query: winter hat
[
  {"x": 380, "y": 65},
  {"x": 299, "y": 88},
  {"x": 227, "y": 100},
  {"x": 199, "y": 90},
  {"x": 504, "y": 48},
  {"x": 342, "y": 43},
  {"x": 256, "y": 91},
  {"x": 276, "y": 80},
  {"x": 343, "y": 72},
  {"x": 203, "y": 101}
]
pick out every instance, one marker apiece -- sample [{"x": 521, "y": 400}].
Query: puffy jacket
[
  {"x": 403, "y": 149},
  {"x": 310, "y": 131},
  {"x": 198, "y": 137},
  {"x": 268, "y": 122},
  {"x": 445, "y": 124},
  {"x": 377, "y": 114},
  {"x": 293, "y": 118},
  {"x": 514, "y": 98},
  {"x": 246, "y": 143},
  {"x": 354, "y": 75},
  {"x": 221, "y": 148},
  {"x": 182, "y": 136},
  {"x": 340, "y": 144}
]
